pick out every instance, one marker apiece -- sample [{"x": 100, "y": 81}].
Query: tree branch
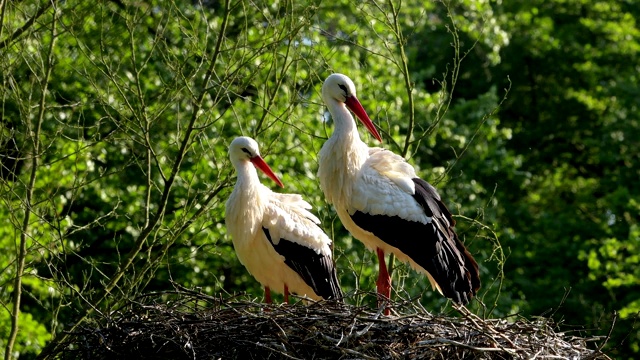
[
  {"x": 52, "y": 347},
  {"x": 22, "y": 250},
  {"x": 45, "y": 6}
]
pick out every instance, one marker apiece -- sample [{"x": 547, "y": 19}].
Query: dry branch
[{"x": 197, "y": 326}]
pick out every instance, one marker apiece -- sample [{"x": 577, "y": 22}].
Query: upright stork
[
  {"x": 275, "y": 236},
  {"x": 383, "y": 203}
]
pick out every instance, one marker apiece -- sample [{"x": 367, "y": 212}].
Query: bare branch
[
  {"x": 28, "y": 209},
  {"x": 46, "y": 5}
]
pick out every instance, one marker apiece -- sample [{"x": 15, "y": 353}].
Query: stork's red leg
[
  {"x": 384, "y": 280},
  {"x": 267, "y": 295},
  {"x": 286, "y": 293}
]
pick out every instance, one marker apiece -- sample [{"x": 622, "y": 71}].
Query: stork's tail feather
[
  {"x": 336, "y": 292},
  {"x": 316, "y": 270},
  {"x": 457, "y": 272},
  {"x": 462, "y": 280}
]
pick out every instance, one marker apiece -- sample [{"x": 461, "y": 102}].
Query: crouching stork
[{"x": 275, "y": 236}]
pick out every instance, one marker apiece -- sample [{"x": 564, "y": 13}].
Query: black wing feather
[
  {"x": 441, "y": 254},
  {"x": 316, "y": 270}
]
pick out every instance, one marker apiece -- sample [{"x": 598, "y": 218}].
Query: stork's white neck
[
  {"x": 248, "y": 187},
  {"x": 247, "y": 175},
  {"x": 342, "y": 118},
  {"x": 245, "y": 207},
  {"x": 342, "y": 156}
]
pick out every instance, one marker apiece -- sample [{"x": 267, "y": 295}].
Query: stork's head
[
  {"x": 243, "y": 149},
  {"x": 339, "y": 88}
]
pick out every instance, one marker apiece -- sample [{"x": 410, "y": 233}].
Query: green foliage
[
  {"x": 31, "y": 338},
  {"x": 133, "y": 121}
]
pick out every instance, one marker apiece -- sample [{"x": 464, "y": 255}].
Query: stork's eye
[
  {"x": 343, "y": 88},
  {"x": 246, "y": 151}
]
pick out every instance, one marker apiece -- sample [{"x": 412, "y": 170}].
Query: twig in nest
[{"x": 195, "y": 326}]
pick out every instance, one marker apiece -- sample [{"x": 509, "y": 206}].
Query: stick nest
[{"x": 197, "y": 326}]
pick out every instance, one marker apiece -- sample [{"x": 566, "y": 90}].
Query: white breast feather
[
  {"x": 339, "y": 163},
  {"x": 243, "y": 221},
  {"x": 331, "y": 174}
]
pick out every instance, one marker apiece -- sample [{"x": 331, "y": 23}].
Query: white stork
[
  {"x": 275, "y": 237},
  {"x": 383, "y": 203}
]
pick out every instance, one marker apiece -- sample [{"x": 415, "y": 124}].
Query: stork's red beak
[
  {"x": 260, "y": 164},
  {"x": 354, "y": 105}
]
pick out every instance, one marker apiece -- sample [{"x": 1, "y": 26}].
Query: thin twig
[
  {"x": 44, "y": 7},
  {"x": 28, "y": 202},
  {"x": 217, "y": 328}
]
